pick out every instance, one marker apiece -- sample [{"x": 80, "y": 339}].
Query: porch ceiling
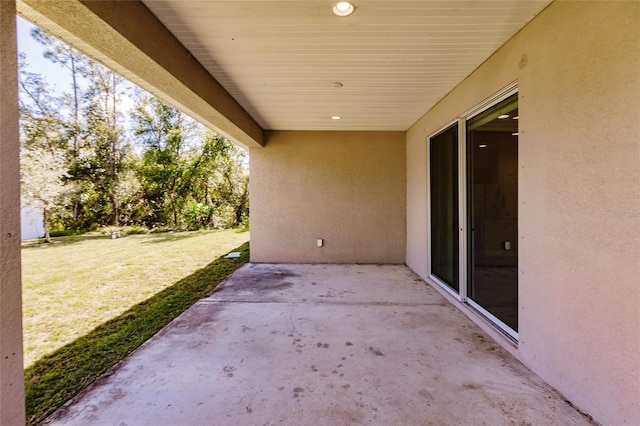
[{"x": 395, "y": 59}]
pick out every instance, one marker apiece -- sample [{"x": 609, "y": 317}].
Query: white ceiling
[{"x": 395, "y": 59}]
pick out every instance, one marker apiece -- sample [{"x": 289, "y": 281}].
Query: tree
[
  {"x": 190, "y": 176},
  {"x": 71, "y": 59},
  {"x": 42, "y": 176},
  {"x": 43, "y": 167},
  {"x": 227, "y": 179},
  {"x": 77, "y": 65},
  {"x": 164, "y": 132},
  {"x": 96, "y": 152},
  {"x": 167, "y": 171},
  {"x": 106, "y": 151}
]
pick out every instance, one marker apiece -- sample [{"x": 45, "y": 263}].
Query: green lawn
[
  {"x": 77, "y": 283},
  {"x": 90, "y": 301}
]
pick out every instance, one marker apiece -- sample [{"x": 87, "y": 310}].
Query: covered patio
[
  {"x": 292, "y": 344},
  {"x": 476, "y": 142}
]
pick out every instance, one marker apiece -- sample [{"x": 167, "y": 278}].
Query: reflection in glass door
[
  {"x": 492, "y": 197},
  {"x": 443, "y": 189}
]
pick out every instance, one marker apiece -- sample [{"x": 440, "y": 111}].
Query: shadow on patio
[{"x": 320, "y": 345}]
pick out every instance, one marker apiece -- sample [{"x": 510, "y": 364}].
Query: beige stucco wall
[
  {"x": 11, "y": 370},
  {"x": 578, "y": 69},
  {"x": 347, "y": 188}
]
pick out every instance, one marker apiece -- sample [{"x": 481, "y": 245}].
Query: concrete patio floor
[{"x": 320, "y": 345}]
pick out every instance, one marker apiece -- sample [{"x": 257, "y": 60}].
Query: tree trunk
[
  {"x": 76, "y": 126},
  {"x": 45, "y": 225},
  {"x": 241, "y": 205},
  {"x": 116, "y": 212},
  {"x": 113, "y": 146},
  {"x": 240, "y": 208},
  {"x": 175, "y": 215}
]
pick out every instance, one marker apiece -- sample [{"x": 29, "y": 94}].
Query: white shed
[{"x": 31, "y": 224}]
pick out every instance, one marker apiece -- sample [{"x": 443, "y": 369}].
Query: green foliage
[
  {"x": 160, "y": 230},
  {"x": 197, "y": 215},
  {"x": 135, "y": 229},
  {"x": 55, "y": 378},
  {"x": 245, "y": 223},
  {"x": 87, "y": 171},
  {"x": 42, "y": 155},
  {"x": 61, "y": 232},
  {"x": 166, "y": 172},
  {"x": 124, "y": 230},
  {"x": 103, "y": 164},
  {"x": 190, "y": 178}
]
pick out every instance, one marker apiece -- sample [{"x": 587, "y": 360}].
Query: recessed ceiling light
[
  {"x": 336, "y": 117},
  {"x": 343, "y": 8},
  {"x": 482, "y": 146},
  {"x": 515, "y": 134},
  {"x": 503, "y": 116}
]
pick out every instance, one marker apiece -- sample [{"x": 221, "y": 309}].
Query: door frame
[
  {"x": 430, "y": 274},
  {"x": 463, "y": 213}
]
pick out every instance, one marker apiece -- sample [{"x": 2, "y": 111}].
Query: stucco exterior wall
[
  {"x": 11, "y": 368},
  {"x": 347, "y": 188},
  {"x": 578, "y": 69}
]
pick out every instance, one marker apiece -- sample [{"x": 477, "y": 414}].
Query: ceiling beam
[{"x": 128, "y": 38}]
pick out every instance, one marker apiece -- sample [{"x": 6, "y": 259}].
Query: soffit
[{"x": 395, "y": 59}]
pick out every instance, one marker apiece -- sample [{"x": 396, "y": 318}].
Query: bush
[
  {"x": 197, "y": 215},
  {"x": 125, "y": 230},
  {"x": 61, "y": 232},
  {"x": 135, "y": 229},
  {"x": 245, "y": 223},
  {"x": 108, "y": 230},
  {"x": 160, "y": 229}
]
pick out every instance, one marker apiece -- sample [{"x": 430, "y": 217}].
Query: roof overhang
[
  {"x": 242, "y": 66},
  {"x": 128, "y": 38}
]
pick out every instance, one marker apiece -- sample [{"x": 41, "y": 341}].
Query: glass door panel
[
  {"x": 492, "y": 191},
  {"x": 443, "y": 159}
]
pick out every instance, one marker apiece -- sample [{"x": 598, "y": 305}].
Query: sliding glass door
[
  {"x": 473, "y": 209},
  {"x": 492, "y": 215},
  {"x": 443, "y": 166}
]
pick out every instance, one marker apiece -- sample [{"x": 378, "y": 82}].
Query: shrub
[
  {"x": 61, "y": 232},
  {"x": 135, "y": 229},
  {"x": 125, "y": 230},
  {"x": 197, "y": 215},
  {"x": 245, "y": 223},
  {"x": 108, "y": 230},
  {"x": 160, "y": 229}
]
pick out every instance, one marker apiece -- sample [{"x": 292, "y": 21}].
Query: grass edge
[{"x": 54, "y": 379}]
